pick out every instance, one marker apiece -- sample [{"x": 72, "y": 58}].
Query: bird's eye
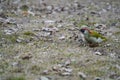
[{"x": 82, "y": 30}]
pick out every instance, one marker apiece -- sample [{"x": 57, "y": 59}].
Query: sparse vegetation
[
  {"x": 46, "y": 43},
  {"x": 29, "y": 33},
  {"x": 16, "y": 78}
]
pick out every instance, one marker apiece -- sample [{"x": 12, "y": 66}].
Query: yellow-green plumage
[
  {"x": 97, "y": 35},
  {"x": 92, "y": 37}
]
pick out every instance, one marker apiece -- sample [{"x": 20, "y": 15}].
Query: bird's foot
[{"x": 93, "y": 45}]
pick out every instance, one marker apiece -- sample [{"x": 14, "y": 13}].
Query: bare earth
[{"x": 45, "y": 43}]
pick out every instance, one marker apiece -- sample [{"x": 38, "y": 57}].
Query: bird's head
[{"x": 85, "y": 31}]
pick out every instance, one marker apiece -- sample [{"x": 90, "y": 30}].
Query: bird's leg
[{"x": 93, "y": 45}]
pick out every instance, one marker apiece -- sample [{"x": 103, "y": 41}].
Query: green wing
[{"x": 97, "y": 35}]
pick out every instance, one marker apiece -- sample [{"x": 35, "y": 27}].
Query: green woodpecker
[{"x": 92, "y": 37}]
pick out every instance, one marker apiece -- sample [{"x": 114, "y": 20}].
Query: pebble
[
  {"x": 98, "y": 78},
  {"x": 82, "y": 75},
  {"x": 2, "y": 20},
  {"x": 46, "y": 72},
  {"x": 37, "y": 30},
  {"x": 49, "y": 22},
  {"x": 108, "y": 45},
  {"x": 66, "y": 74},
  {"x": 63, "y": 69},
  {"x": 84, "y": 26},
  {"x": 44, "y": 34},
  {"x": 68, "y": 62},
  {"x": 55, "y": 68},
  {"x": 76, "y": 5},
  {"x": 19, "y": 39},
  {"x": 66, "y": 8},
  {"x": 100, "y": 26},
  {"x": 62, "y": 37},
  {"x": 113, "y": 75},
  {"x": 113, "y": 55},
  {"x": 10, "y": 20},
  {"x": 43, "y": 78},
  {"x": 73, "y": 60},
  {"x": 58, "y": 9},
  {"x": 117, "y": 40},
  {"x": 68, "y": 70},
  {"x": 73, "y": 28},
  {"x": 118, "y": 78},
  {"x": 59, "y": 25},
  {"x": 98, "y": 53},
  {"x": 49, "y": 8},
  {"x": 8, "y": 32},
  {"x": 26, "y": 56},
  {"x": 14, "y": 63},
  {"x": 118, "y": 66},
  {"x": 31, "y": 13},
  {"x": 54, "y": 29}
]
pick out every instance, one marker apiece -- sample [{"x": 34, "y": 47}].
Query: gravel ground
[{"x": 40, "y": 40}]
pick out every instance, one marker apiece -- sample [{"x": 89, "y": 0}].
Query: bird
[{"x": 92, "y": 37}]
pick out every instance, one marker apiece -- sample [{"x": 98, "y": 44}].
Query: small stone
[
  {"x": 72, "y": 29},
  {"x": 49, "y": 8},
  {"x": 110, "y": 34},
  {"x": 44, "y": 34},
  {"x": 108, "y": 45},
  {"x": 55, "y": 68},
  {"x": 66, "y": 8},
  {"x": 118, "y": 66},
  {"x": 19, "y": 39},
  {"x": 48, "y": 29},
  {"x": 93, "y": 12},
  {"x": 82, "y": 75},
  {"x": 8, "y": 32},
  {"x": 98, "y": 53},
  {"x": 15, "y": 63},
  {"x": 104, "y": 10},
  {"x": 36, "y": 30},
  {"x": 117, "y": 40},
  {"x": 49, "y": 22},
  {"x": 118, "y": 78},
  {"x": 31, "y": 13},
  {"x": 59, "y": 25},
  {"x": 100, "y": 26},
  {"x": 43, "y": 78},
  {"x": 113, "y": 55},
  {"x": 113, "y": 24},
  {"x": 73, "y": 60},
  {"x": 11, "y": 20},
  {"x": 98, "y": 78},
  {"x": 46, "y": 72},
  {"x": 65, "y": 74},
  {"x": 60, "y": 65},
  {"x": 58, "y": 9},
  {"x": 84, "y": 26},
  {"x": 62, "y": 37},
  {"x": 76, "y": 4},
  {"x": 68, "y": 62},
  {"x": 68, "y": 70},
  {"x": 63, "y": 69},
  {"x": 114, "y": 75},
  {"x": 26, "y": 56}
]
